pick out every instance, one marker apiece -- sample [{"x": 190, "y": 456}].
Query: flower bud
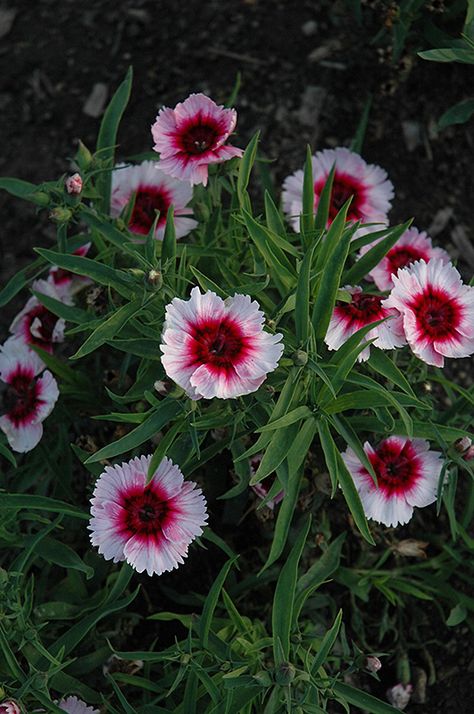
[
  {"x": 60, "y": 215},
  {"x": 155, "y": 278},
  {"x": 83, "y": 156},
  {"x": 9, "y": 707},
  {"x": 41, "y": 198},
  {"x": 300, "y": 358},
  {"x": 399, "y": 695},
  {"x": 285, "y": 674},
  {"x": 74, "y": 184},
  {"x": 373, "y": 664}
]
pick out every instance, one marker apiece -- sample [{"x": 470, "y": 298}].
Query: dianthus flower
[
  {"x": 216, "y": 348},
  {"x": 35, "y": 324},
  {"x": 412, "y": 245},
  {"x": 437, "y": 310},
  {"x": 192, "y": 135},
  {"x": 364, "y": 308},
  {"x": 27, "y": 399},
  {"x": 73, "y": 705},
  {"x": 9, "y": 707},
  {"x": 65, "y": 283},
  {"x": 368, "y": 185},
  {"x": 148, "y": 525},
  {"x": 154, "y": 191},
  {"x": 407, "y": 475}
]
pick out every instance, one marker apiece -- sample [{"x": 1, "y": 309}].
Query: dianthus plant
[{"x": 211, "y": 406}]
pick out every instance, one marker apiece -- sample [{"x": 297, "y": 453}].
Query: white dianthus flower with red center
[
  {"x": 364, "y": 308},
  {"x": 154, "y": 191},
  {"x": 73, "y": 705},
  {"x": 412, "y": 245},
  {"x": 27, "y": 399},
  {"x": 192, "y": 135},
  {"x": 35, "y": 324},
  {"x": 407, "y": 473},
  {"x": 150, "y": 525},
  {"x": 9, "y": 707},
  {"x": 216, "y": 348},
  {"x": 368, "y": 185},
  {"x": 437, "y": 310},
  {"x": 66, "y": 283}
]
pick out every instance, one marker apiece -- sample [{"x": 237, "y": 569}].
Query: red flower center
[
  {"x": 218, "y": 343},
  {"x": 21, "y": 398},
  {"x": 199, "y": 136},
  {"x": 401, "y": 257},
  {"x": 40, "y": 326},
  {"x": 397, "y": 470},
  {"x": 61, "y": 276},
  {"x": 344, "y": 186},
  {"x": 363, "y": 309},
  {"x": 148, "y": 200},
  {"x": 437, "y": 314},
  {"x": 145, "y": 511}
]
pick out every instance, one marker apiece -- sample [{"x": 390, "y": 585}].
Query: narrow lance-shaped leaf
[
  {"x": 322, "y": 211},
  {"x": 211, "y": 602},
  {"x": 307, "y": 216},
  {"x": 303, "y": 297},
  {"x": 108, "y": 137},
  {"x": 369, "y": 260},
  {"x": 283, "y": 600},
  {"x": 245, "y": 168},
  {"x": 168, "y": 250},
  {"x": 327, "y": 644},
  {"x": 352, "y": 499},
  {"x": 358, "y": 140},
  {"x": 331, "y": 276}
]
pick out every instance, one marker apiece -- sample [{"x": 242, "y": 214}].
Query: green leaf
[
  {"x": 332, "y": 270},
  {"x": 207, "y": 284},
  {"x": 163, "y": 447},
  {"x": 319, "y": 572},
  {"x": 457, "y": 615},
  {"x": 289, "y": 418},
  {"x": 457, "y": 114},
  {"x": 322, "y": 211},
  {"x": 449, "y": 54},
  {"x": 20, "y": 279},
  {"x": 211, "y": 603},
  {"x": 105, "y": 227},
  {"x": 327, "y": 644},
  {"x": 274, "y": 257},
  {"x": 369, "y": 260},
  {"x": 362, "y": 700},
  {"x": 245, "y": 167},
  {"x": 285, "y": 514},
  {"x": 385, "y": 366},
  {"x": 53, "y": 551},
  {"x": 273, "y": 217},
  {"x": 358, "y": 140},
  {"x": 108, "y": 137},
  {"x": 168, "y": 410},
  {"x": 109, "y": 328},
  {"x": 302, "y": 322},
  {"x": 7, "y": 454},
  {"x": 276, "y": 452},
  {"x": 283, "y": 600},
  {"x": 67, "y": 312},
  {"x": 24, "y": 189},
  {"x": 168, "y": 250},
  {"x": 307, "y": 217},
  {"x": 352, "y": 498},
  {"x": 19, "y": 501},
  {"x": 100, "y": 273}
]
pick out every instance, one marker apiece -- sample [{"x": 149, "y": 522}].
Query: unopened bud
[
  {"x": 201, "y": 212},
  {"x": 462, "y": 444},
  {"x": 74, "y": 184},
  {"x": 155, "y": 278},
  {"x": 9, "y": 707},
  {"x": 263, "y": 678},
  {"x": 41, "y": 198},
  {"x": 285, "y": 674},
  {"x": 83, "y": 156},
  {"x": 60, "y": 215},
  {"x": 399, "y": 695},
  {"x": 373, "y": 664},
  {"x": 300, "y": 358}
]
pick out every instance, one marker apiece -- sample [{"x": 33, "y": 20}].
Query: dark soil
[{"x": 307, "y": 70}]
